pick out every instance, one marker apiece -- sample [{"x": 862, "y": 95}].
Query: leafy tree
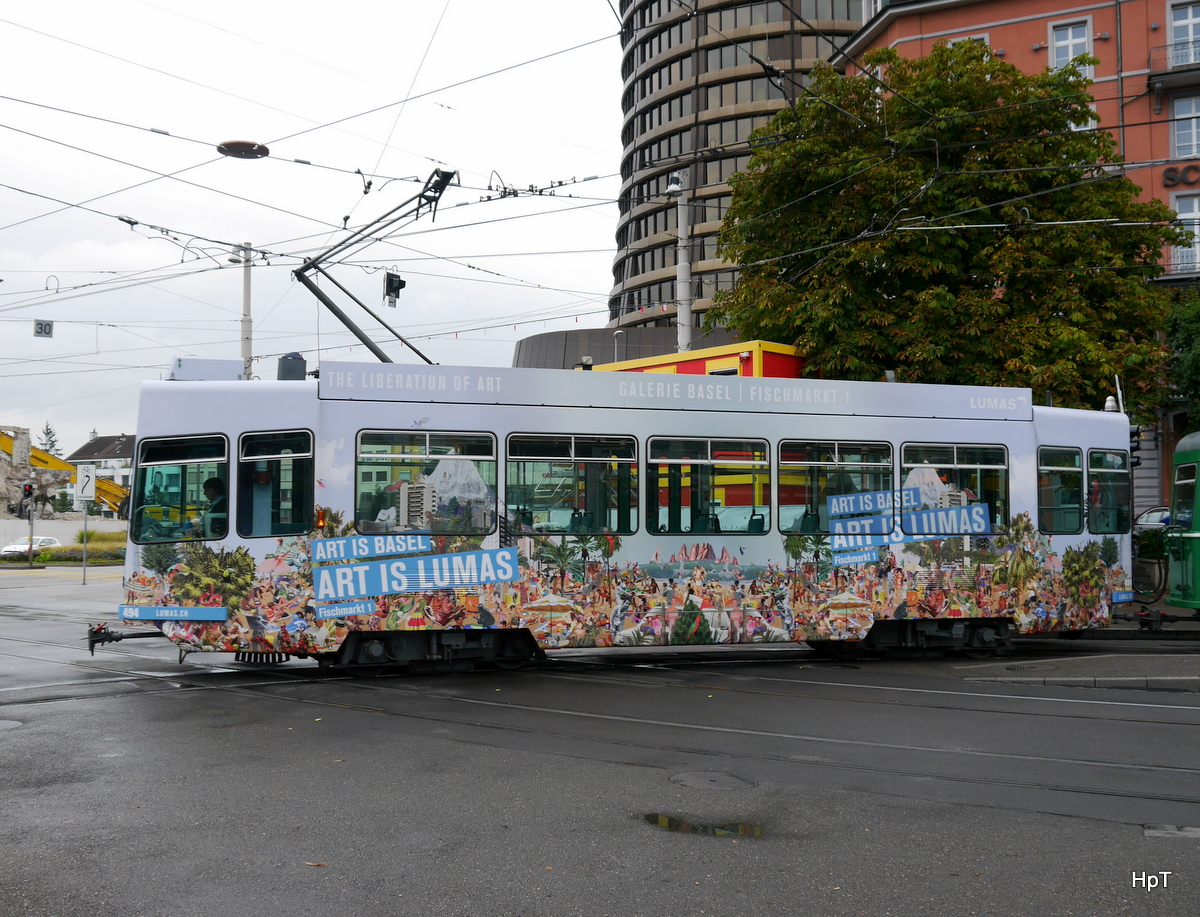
[
  {"x": 1183, "y": 339},
  {"x": 936, "y": 552},
  {"x": 961, "y": 227}
]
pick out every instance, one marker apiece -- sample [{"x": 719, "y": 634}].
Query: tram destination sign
[{"x": 545, "y": 387}]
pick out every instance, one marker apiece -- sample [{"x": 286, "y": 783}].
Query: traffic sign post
[{"x": 85, "y": 490}]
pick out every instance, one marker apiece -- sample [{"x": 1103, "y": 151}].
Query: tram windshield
[
  {"x": 181, "y": 490},
  {"x": 1183, "y": 499}
]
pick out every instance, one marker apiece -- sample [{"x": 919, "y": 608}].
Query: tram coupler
[
  {"x": 1150, "y": 621},
  {"x": 102, "y": 633}
]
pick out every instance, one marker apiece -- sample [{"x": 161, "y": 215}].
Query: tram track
[
  {"x": 586, "y": 671},
  {"x": 196, "y": 681}
]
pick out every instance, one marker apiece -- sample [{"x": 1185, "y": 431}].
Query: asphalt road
[{"x": 659, "y": 783}]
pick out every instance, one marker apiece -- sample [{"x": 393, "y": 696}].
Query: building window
[
  {"x": 1185, "y": 34},
  {"x": 1067, "y": 42},
  {"x": 1188, "y": 208},
  {"x": 1187, "y": 126}
]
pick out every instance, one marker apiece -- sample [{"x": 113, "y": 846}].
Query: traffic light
[
  {"x": 28, "y": 491},
  {"x": 1135, "y": 444},
  {"x": 393, "y": 284}
]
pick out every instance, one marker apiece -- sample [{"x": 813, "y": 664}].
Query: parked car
[
  {"x": 21, "y": 545},
  {"x": 1155, "y": 518}
]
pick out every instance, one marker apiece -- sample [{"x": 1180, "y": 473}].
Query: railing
[
  {"x": 1185, "y": 260},
  {"x": 1174, "y": 56}
]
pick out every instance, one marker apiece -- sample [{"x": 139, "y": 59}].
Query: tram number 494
[{"x": 43, "y": 329}]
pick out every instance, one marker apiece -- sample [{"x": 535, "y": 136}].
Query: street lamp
[
  {"x": 245, "y": 149},
  {"x": 683, "y": 262}
]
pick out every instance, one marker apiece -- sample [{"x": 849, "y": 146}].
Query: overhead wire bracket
[{"x": 426, "y": 200}]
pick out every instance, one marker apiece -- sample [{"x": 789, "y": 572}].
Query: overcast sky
[{"x": 114, "y": 110}]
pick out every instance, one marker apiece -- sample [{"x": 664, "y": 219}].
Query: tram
[
  {"x": 440, "y": 516},
  {"x": 1182, "y": 534}
]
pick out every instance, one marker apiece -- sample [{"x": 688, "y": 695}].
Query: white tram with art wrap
[{"x": 435, "y": 515}]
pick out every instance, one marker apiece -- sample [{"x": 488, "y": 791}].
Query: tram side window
[
  {"x": 1108, "y": 492},
  {"x": 572, "y": 484},
  {"x": 180, "y": 491},
  {"x": 275, "y": 484},
  {"x": 957, "y": 489},
  {"x": 1183, "y": 499},
  {"x": 708, "y": 486},
  {"x": 1060, "y": 490},
  {"x": 444, "y": 483},
  {"x": 839, "y": 487}
]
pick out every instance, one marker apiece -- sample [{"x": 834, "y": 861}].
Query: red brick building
[{"x": 1146, "y": 88}]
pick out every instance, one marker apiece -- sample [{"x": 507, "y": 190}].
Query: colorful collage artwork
[{"x": 304, "y": 595}]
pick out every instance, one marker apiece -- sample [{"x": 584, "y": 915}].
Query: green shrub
[
  {"x": 102, "y": 539},
  {"x": 74, "y": 555}
]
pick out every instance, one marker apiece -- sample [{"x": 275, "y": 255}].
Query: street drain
[
  {"x": 683, "y": 826},
  {"x": 712, "y": 780},
  {"x": 1039, "y": 667}
]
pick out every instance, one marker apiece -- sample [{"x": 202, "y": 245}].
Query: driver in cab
[{"x": 214, "y": 522}]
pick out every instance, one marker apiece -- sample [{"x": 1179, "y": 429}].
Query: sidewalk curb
[{"x": 1189, "y": 683}]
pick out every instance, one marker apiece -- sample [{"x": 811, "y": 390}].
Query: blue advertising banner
[
  {"x": 350, "y": 581},
  {"x": 174, "y": 612},
  {"x": 923, "y": 526},
  {"x": 856, "y": 557},
  {"x": 874, "y": 501},
  {"x": 356, "y": 547},
  {"x": 344, "y": 610}
]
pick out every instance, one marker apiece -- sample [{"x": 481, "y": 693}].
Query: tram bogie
[
  {"x": 433, "y": 650},
  {"x": 978, "y": 637}
]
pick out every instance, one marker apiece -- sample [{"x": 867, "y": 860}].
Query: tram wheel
[{"x": 984, "y": 642}]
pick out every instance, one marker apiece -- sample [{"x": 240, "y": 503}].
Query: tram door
[{"x": 1183, "y": 538}]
